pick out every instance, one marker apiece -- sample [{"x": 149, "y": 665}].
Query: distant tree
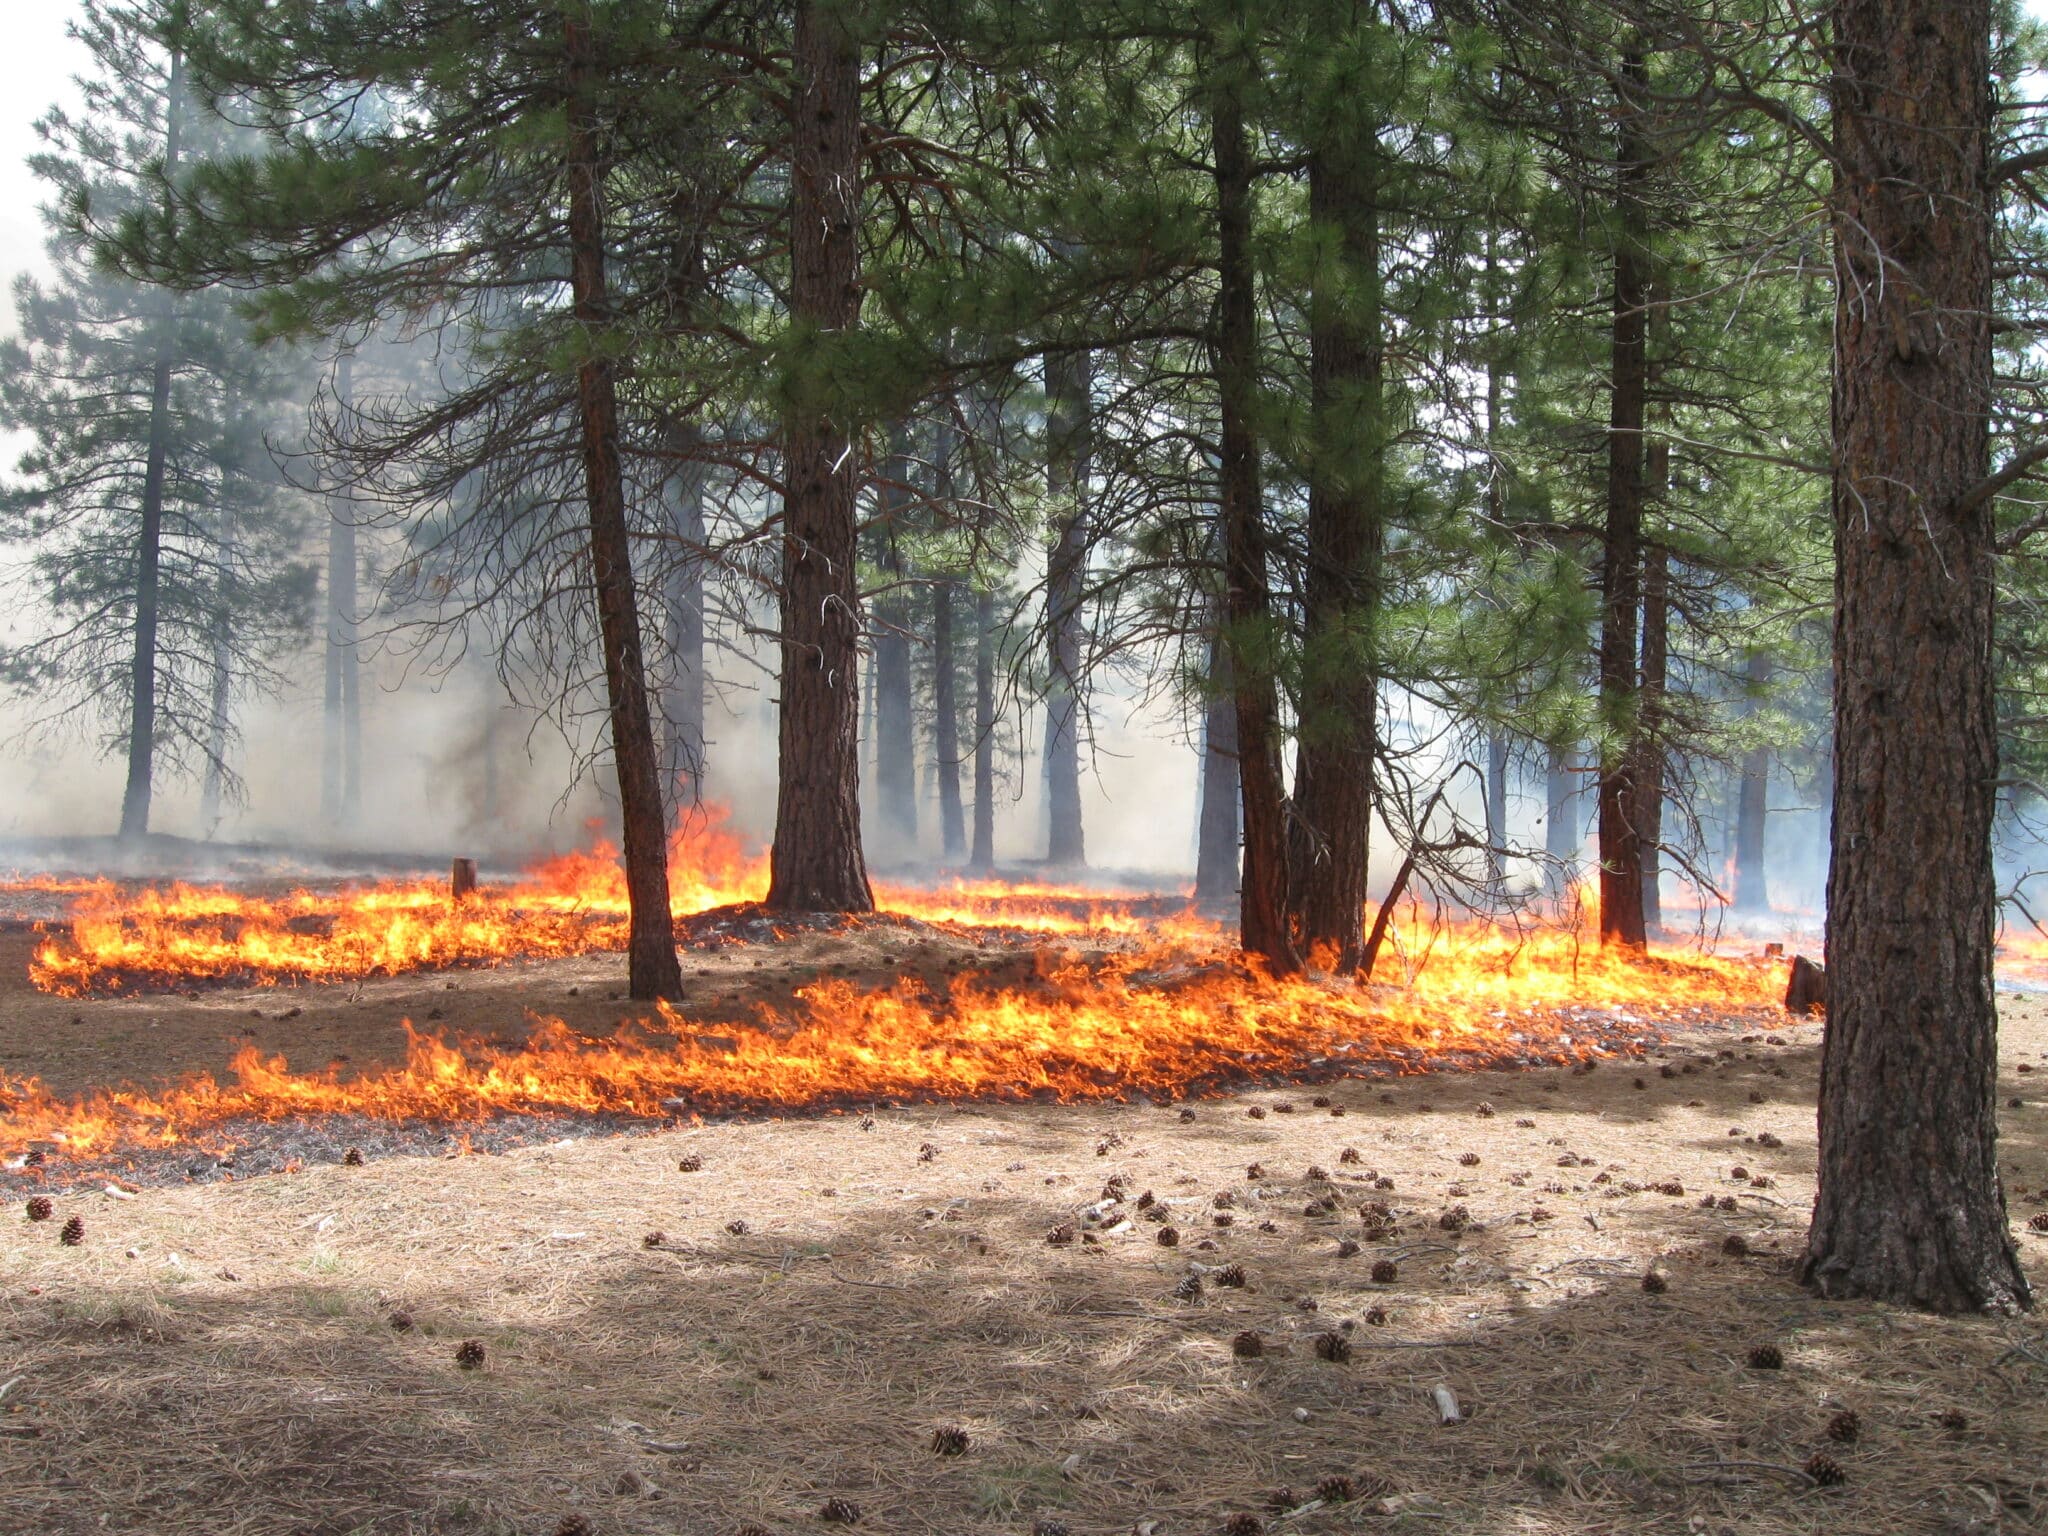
[{"x": 160, "y": 541}]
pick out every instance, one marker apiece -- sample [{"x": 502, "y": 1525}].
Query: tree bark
[
  {"x": 1216, "y": 834},
  {"x": 141, "y": 784},
  {"x": 817, "y": 863},
  {"x": 1247, "y": 603},
  {"x": 1333, "y": 786},
  {"x": 1910, "y": 1208},
  {"x": 1621, "y": 862},
  {"x": 1069, "y": 443},
  {"x": 652, "y": 967},
  {"x": 982, "y": 858},
  {"x": 1752, "y": 807}
]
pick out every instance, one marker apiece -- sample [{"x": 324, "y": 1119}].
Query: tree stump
[
  {"x": 462, "y": 879},
  {"x": 1807, "y": 991}
]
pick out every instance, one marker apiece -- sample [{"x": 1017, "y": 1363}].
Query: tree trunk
[
  {"x": 342, "y": 759},
  {"x": 946, "y": 721},
  {"x": 1910, "y": 1207},
  {"x": 652, "y": 968},
  {"x": 817, "y": 864},
  {"x": 895, "y": 713},
  {"x": 1621, "y": 861},
  {"x": 141, "y": 785},
  {"x": 1247, "y": 602},
  {"x": 1346, "y": 539},
  {"x": 1069, "y": 441},
  {"x": 1562, "y": 817},
  {"x": 1650, "y": 720},
  {"x": 682, "y": 704},
  {"x": 982, "y": 858},
  {"x": 1752, "y": 806},
  {"x": 1496, "y": 804},
  {"x": 220, "y": 725},
  {"x": 1216, "y": 833}
]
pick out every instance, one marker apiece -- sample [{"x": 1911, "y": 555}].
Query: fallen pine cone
[
  {"x": 950, "y": 1440},
  {"x": 1825, "y": 1470},
  {"x": 839, "y": 1512},
  {"x": 1654, "y": 1284},
  {"x": 1845, "y": 1426},
  {"x": 654, "y": 1239},
  {"x": 470, "y": 1354},
  {"x": 73, "y": 1233},
  {"x": 1244, "y": 1523},
  {"x": 1169, "y": 1237},
  {"x": 1248, "y": 1345},
  {"x": 1735, "y": 1245},
  {"x": 401, "y": 1321},
  {"x": 40, "y": 1208},
  {"x": 736, "y": 1227},
  {"x": 691, "y": 1164},
  {"x": 1333, "y": 1347},
  {"x": 1189, "y": 1289},
  {"x": 1232, "y": 1275},
  {"x": 575, "y": 1525},
  {"x": 1766, "y": 1357},
  {"x": 1386, "y": 1272},
  {"x": 352, "y": 1158}
]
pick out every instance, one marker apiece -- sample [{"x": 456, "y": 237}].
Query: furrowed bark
[
  {"x": 1247, "y": 605},
  {"x": 817, "y": 863},
  {"x": 1346, "y": 541},
  {"x": 1910, "y": 1208},
  {"x": 652, "y": 967}
]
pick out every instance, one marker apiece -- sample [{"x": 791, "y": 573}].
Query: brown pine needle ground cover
[{"x": 823, "y": 1298}]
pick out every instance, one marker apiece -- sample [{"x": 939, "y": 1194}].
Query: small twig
[
  {"x": 1754, "y": 1466},
  {"x": 873, "y": 1285}
]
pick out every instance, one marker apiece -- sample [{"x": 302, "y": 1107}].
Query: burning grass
[{"x": 825, "y": 1296}]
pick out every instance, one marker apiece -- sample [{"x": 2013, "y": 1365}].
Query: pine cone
[
  {"x": 1376, "y": 1316},
  {"x": 1349, "y": 1155},
  {"x": 1333, "y": 1347},
  {"x": 1347, "y": 1249},
  {"x": 401, "y": 1321},
  {"x": 1825, "y": 1470},
  {"x": 1317, "y": 1175},
  {"x": 1386, "y": 1272},
  {"x": 1484, "y": 1111},
  {"x": 927, "y": 1153},
  {"x": 1654, "y": 1284},
  {"x": 575, "y": 1525},
  {"x": 691, "y": 1164},
  {"x": 40, "y": 1208},
  {"x": 1256, "y": 1112},
  {"x": 1061, "y": 1235},
  {"x": 1255, "y": 1171},
  {"x": 470, "y": 1354},
  {"x": 1456, "y": 1219},
  {"x": 1187, "y": 1115},
  {"x": 1223, "y": 1219},
  {"x": 654, "y": 1239},
  {"x": 1169, "y": 1237},
  {"x": 1766, "y": 1357},
  {"x": 839, "y": 1512},
  {"x": 352, "y": 1158},
  {"x": 736, "y": 1227},
  {"x": 1244, "y": 1523},
  {"x": 1232, "y": 1275},
  {"x": 1735, "y": 1245},
  {"x": 1954, "y": 1420},
  {"x": 1145, "y": 1201},
  {"x": 2038, "y": 1223},
  {"x": 950, "y": 1440},
  {"x": 1046, "y": 1525},
  {"x": 1468, "y": 1160},
  {"x": 1845, "y": 1426},
  {"x": 1248, "y": 1345},
  {"x": 73, "y": 1233},
  {"x": 1321, "y": 1101},
  {"x": 1189, "y": 1289},
  {"x": 1335, "y": 1489}
]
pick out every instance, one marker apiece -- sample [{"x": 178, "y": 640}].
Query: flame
[{"x": 1160, "y": 1022}]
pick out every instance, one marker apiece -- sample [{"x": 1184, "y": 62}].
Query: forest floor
[{"x": 827, "y": 1292}]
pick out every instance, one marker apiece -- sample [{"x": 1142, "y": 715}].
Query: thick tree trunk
[
  {"x": 817, "y": 863},
  {"x": 682, "y": 693},
  {"x": 1346, "y": 538},
  {"x": 1621, "y": 860},
  {"x": 1216, "y": 833},
  {"x": 1069, "y": 444},
  {"x": 1909, "y": 1207},
  {"x": 141, "y": 785},
  {"x": 982, "y": 857},
  {"x": 652, "y": 968},
  {"x": 1752, "y": 806},
  {"x": 1247, "y": 603}
]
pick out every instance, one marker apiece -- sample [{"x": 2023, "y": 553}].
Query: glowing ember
[{"x": 1119, "y": 1027}]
